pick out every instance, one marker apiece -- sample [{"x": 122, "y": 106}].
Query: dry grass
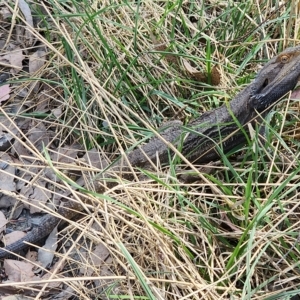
[{"x": 115, "y": 71}]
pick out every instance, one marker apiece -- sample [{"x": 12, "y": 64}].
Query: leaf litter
[
  {"x": 24, "y": 171},
  {"x": 22, "y": 140}
]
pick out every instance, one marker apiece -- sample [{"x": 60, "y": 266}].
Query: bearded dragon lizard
[{"x": 202, "y": 140}]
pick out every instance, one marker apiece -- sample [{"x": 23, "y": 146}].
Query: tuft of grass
[{"x": 116, "y": 72}]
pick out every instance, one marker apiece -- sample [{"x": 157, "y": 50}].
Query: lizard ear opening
[
  {"x": 266, "y": 82},
  {"x": 257, "y": 87}
]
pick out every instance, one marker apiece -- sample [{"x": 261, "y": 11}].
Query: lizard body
[{"x": 197, "y": 140}]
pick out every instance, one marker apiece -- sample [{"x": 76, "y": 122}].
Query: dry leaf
[
  {"x": 5, "y": 14},
  {"x": 215, "y": 75},
  {"x": 18, "y": 270},
  {"x": 31, "y": 256},
  {"x": 197, "y": 75},
  {"x": 3, "y": 221},
  {"x": 6, "y": 124},
  {"x": 38, "y": 135},
  {"x": 25, "y": 9},
  {"x": 24, "y": 176},
  {"x": 47, "y": 98},
  {"x": 37, "y": 195},
  {"x": 170, "y": 58},
  {"x": 13, "y": 237},
  {"x": 188, "y": 67},
  {"x": 202, "y": 77},
  {"x": 57, "y": 112},
  {"x": 57, "y": 268},
  {"x": 7, "y": 201},
  {"x": 105, "y": 271},
  {"x": 17, "y": 210},
  {"x": 13, "y": 59},
  {"x": 18, "y": 297},
  {"x": 99, "y": 262},
  {"x": 36, "y": 61},
  {"x": 4, "y": 92},
  {"x": 19, "y": 149},
  {"x": 96, "y": 259},
  {"x": 6, "y": 140},
  {"x": 63, "y": 155},
  {"x": 93, "y": 158},
  {"x": 7, "y": 183},
  {"x": 4, "y": 76},
  {"x": 44, "y": 256},
  {"x": 23, "y": 92}
]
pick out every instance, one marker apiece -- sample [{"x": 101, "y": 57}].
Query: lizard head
[{"x": 279, "y": 76}]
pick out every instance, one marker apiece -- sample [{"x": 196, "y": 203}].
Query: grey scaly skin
[{"x": 197, "y": 140}]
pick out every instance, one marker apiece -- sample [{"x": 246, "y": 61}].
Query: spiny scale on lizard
[{"x": 196, "y": 140}]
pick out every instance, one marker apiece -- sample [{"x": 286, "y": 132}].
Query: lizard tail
[{"x": 47, "y": 224}]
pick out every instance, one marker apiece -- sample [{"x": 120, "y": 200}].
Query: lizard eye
[{"x": 284, "y": 59}]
